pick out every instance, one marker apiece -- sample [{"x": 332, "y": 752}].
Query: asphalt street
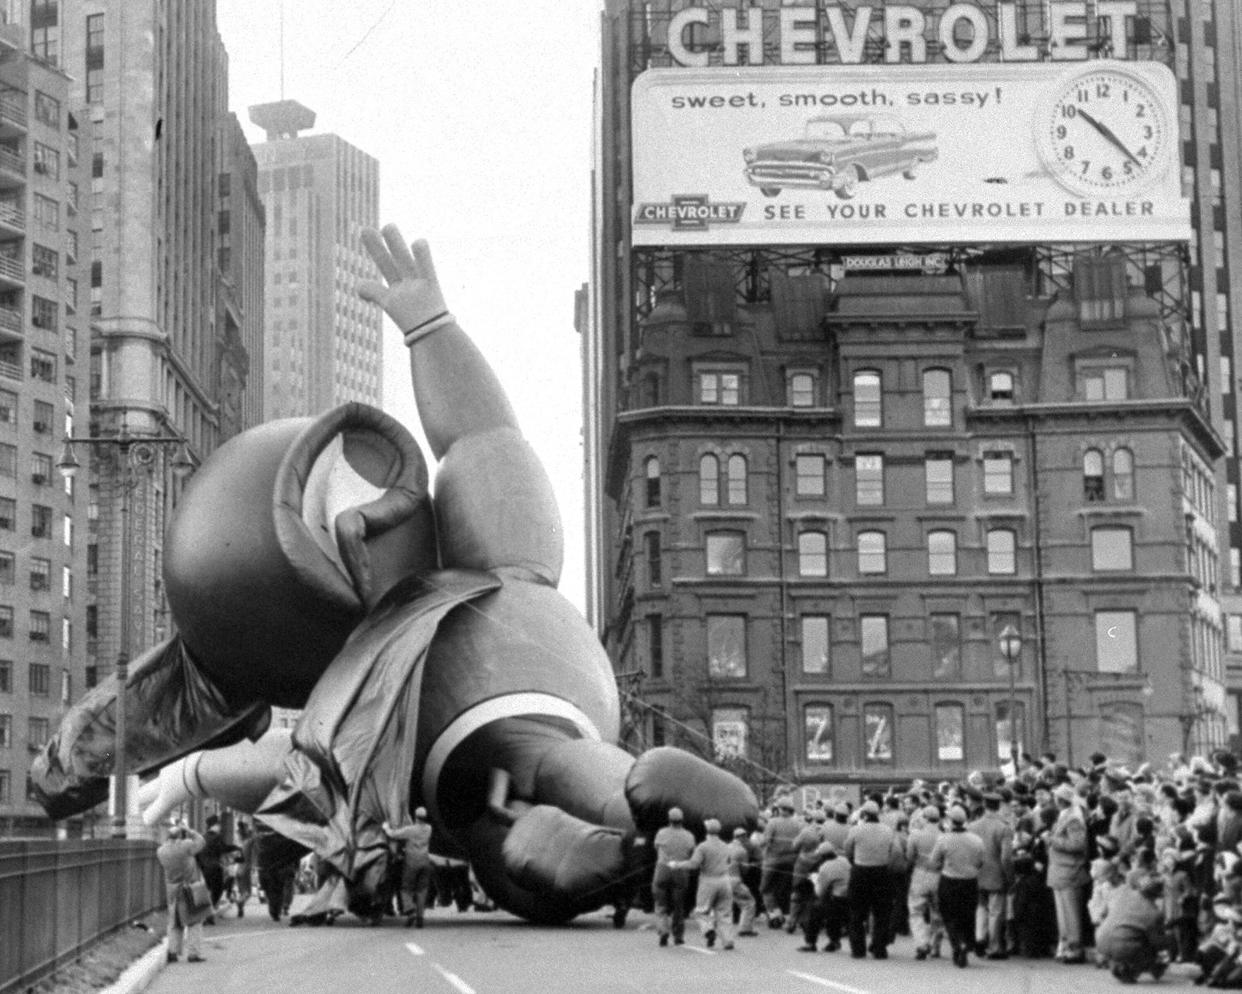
[{"x": 492, "y": 953}]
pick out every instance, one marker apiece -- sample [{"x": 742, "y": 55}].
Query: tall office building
[
  {"x": 901, "y": 458},
  {"x": 323, "y": 344},
  {"x": 158, "y": 344}
]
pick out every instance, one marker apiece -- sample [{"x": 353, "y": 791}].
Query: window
[
  {"x": 47, "y": 212},
  {"x": 1116, "y": 641},
  {"x": 6, "y": 621},
  {"x": 1104, "y": 382},
  {"x": 709, "y": 481},
  {"x": 939, "y": 472},
  {"x": 6, "y": 787},
  {"x": 942, "y": 553},
  {"x": 1121, "y": 731},
  {"x": 878, "y": 733},
  {"x": 47, "y": 109},
  {"x": 651, "y": 544},
  {"x": 40, "y": 626},
  {"x": 729, "y": 732},
  {"x": 812, "y": 554},
  {"x": 872, "y": 552},
  {"x": 726, "y": 553},
  {"x": 8, "y": 514},
  {"x": 869, "y": 480},
  {"x": 1092, "y": 475},
  {"x": 6, "y": 676},
  {"x": 8, "y": 569},
  {"x": 6, "y": 731},
  {"x": 998, "y": 473},
  {"x": 40, "y": 679},
  {"x": 46, "y": 160},
  {"x": 1233, "y": 632},
  {"x": 43, "y": 365},
  {"x": 737, "y": 480},
  {"x": 873, "y": 635},
  {"x": 655, "y": 645},
  {"x": 40, "y": 573},
  {"x": 43, "y": 313},
  {"x": 1123, "y": 475},
  {"x": 817, "y": 733},
  {"x": 726, "y": 646},
  {"x": 801, "y": 390},
  {"x": 40, "y": 467},
  {"x": 1002, "y": 556},
  {"x": 809, "y": 475},
  {"x": 652, "y": 473},
  {"x": 722, "y": 388},
  {"x": 39, "y": 729},
  {"x": 40, "y": 521},
  {"x": 946, "y": 646},
  {"x": 937, "y": 398},
  {"x": 1010, "y": 728},
  {"x": 1000, "y": 387},
  {"x": 8, "y": 407},
  {"x": 8, "y": 459},
  {"x": 44, "y": 413},
  {"x": 44, "y": 261},
  {"x": 814, "y": 644},
  {"x": 950, "y": 733},
  {"x": 1112, "y": 549},
  {"x": 868, "y": 404}
]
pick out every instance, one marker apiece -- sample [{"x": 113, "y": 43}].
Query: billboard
[{"x": 1035, "y": 153}]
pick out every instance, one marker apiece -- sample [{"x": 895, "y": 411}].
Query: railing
[
  {"x": 13, "y": 162},
  {"x": 12, "y": 268},
  {"x": 11, "y": 318},
  {"x": 12, "y": 215},
  {"x": 61, "y": 897},
  {"x": 13, "y": 106},
  {"x": 11, "y": 370}
]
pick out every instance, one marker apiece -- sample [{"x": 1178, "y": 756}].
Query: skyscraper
[{"x": 323, "y": 344}]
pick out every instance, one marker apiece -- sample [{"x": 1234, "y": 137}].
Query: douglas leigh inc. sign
[{"x": 1077, "y": 152}]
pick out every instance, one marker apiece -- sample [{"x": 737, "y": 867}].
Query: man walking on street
[
  {"x": 415, "y": 842},
  {"x": 778, "y": 861},
  {"x": 713, "y": 906},
  {"x": 870, "y": 846},
  {"x": 958, "y": 857},
  {"x": 994, "y": 878},
  {"x": 739, "y": 862},
  {"x": 672, "y": 844},
  {"x": 925, "y": 924}
]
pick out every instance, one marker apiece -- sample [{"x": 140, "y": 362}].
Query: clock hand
[{"x": 1109, "y": 136}]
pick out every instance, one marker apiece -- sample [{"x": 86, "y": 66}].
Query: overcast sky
[{"x": 480, "y": 117}]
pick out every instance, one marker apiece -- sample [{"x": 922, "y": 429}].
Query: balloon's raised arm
[
  {"x": 456, "y": 391},
  {"x": 495, "y": 507}
]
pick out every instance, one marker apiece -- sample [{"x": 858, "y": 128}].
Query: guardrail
[{"x": 60, "y": 897}]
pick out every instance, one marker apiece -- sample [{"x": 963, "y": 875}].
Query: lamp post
[
  {"x": 1011, "y": 648},
  {"x": 135, "y": 453}
]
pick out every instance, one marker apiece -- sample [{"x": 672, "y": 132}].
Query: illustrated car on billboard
[{"x": 839, "y": 151}]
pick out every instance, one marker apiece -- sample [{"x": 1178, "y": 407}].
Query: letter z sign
[{"x": 689, "y": 212}]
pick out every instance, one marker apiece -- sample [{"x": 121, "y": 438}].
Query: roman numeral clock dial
[{"x": 1105, "y": 132}]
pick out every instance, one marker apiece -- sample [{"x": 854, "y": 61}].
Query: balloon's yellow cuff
[{"x": 427, "y": 327}]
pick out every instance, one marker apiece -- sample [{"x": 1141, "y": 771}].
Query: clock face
[{"x": 1105, "y": 132}]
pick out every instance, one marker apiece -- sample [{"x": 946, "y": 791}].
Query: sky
[{"x": 480, "y": 117}]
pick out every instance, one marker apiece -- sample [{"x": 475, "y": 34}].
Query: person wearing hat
[
  {"x": 837, "y": 827},
  {"x": 415, "y": 842},
  {"x": 829, "y": 910},
  {"x": 779, "y": 854},
  {"x": 673, "y": 844},
  {"x": 802, "y": 892},
  {"x": 1067, "y": 873},
  {"x": 926, "y": 927},
  {"x": 994, "y": 878},
  {"x": 1132, "y": 938},
  {"x": 741, "y": 860},
  {"x": 713, "y": 904},
  {"x": 958, "y": 858},
  {"x": 871, "y": 847},
  {"x": 177, "y": 857}
]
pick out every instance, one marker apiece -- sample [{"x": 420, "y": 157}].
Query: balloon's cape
[{"x": 350, "y": 770}]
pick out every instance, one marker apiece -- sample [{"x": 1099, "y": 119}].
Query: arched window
[
  {"x": 868, "y": 402},
  {"x": 950, "y": 733},
  {"x": 801, "y": 390},
  {"x": 1002, "y": 551},
  {"x": 709, "y": 480},
  {"x": 652, "y": 471},
  {"x": 812, "y": 554},
  {"x": 937, "y": 398},
  {"x": 1000, "y": 387},
  {"x": 877, "y": 733},
  {"x": 872, "y": 552},
  {"x": 1123, "y": 474},
  {"x": 1092, "y": 475},
  {"x": 737, "y": 479},
  {"x": 942, "y": 553}
]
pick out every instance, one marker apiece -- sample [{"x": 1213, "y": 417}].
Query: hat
[
  {"x": 786, "y": 804},
  {"x": 957, "y": 814},
  {"x": 827, "y": 848},
  {"x": 740, "y": 833},
  {"x": 1107, "y": 845},
  {"x": 420, "y": 812},
  {"x": 674, "y": 814},
  {"x": 931, "y": 813},
  {"x": 870, "y": 808},
  {"x": 711, "y": 826},
  {"x": 992, "y": 799},
  {"x": 1065, "y": 793},
  {"x": 819, "y": 815},
  {"x": 842, "y": 809}
]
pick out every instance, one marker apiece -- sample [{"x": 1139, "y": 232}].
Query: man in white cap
[
  {"x": 672, "y": 844},
  {"x": 925, "y": 925},
  {"x": 741, "y": 857},
  {"x": 713, "y": 905},
  {"x": 776, "y": 881},
  {"x": 415, "y": 842},
  {"x": 958, "y": 857},
  {"x": 870, "y": 846}
]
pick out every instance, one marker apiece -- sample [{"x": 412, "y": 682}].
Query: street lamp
[
  {"x": 1011, "y": 648},
  {"x": 136, "y": 453}
]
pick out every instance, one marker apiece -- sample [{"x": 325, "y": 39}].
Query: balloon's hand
[
  {"x": 168, "y": 791},
  {"x": 410, "y": 293}
]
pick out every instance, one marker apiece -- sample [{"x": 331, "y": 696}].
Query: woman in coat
[{"x": 185, "y": 919}]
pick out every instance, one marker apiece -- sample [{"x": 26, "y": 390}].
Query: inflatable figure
[{"x": 308, "y": 565}]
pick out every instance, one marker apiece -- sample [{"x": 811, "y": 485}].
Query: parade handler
[{"x": 308, "y": 565}]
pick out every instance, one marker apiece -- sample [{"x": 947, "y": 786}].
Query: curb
[{"x": 139, "y": 974}]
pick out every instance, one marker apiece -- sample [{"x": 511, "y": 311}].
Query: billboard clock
[{"x": 1105, "y": 132}]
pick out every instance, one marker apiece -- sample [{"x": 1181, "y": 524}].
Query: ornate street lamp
[
  {"x": 135, "y": 454},
  {"x": 1010, "y": 643}
]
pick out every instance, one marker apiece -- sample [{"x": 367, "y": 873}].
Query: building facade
[
  {"x": 821, "y": 496},
  {"x": 323, "y": 343}
]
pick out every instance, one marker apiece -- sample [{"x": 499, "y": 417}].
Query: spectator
[{"x": 177, "y": 857}]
